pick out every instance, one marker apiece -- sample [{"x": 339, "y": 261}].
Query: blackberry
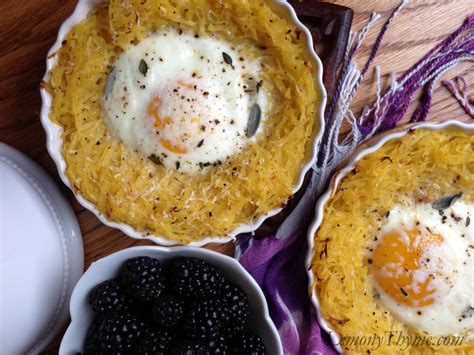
[
  {"x": 108, "y": 297},
  {"x": 248, "y": 343},
  {"x": 91, "y": 343},
  {"x": 154, "y": 341},
  {"x": 191, "y": 277},
  {"x": 236, "y": 299},
  {"x": 142, "y": 278},
  {"x": 231, "y": 329},
  {"x": 119, "y": 332},
  {"x": 168, "y": 312},
  {"x": 189, "y": 347},
  {"x": 218, "y": 345},
  {"x": 205, "y": 318},
  {"x": 141, "y": 311}
]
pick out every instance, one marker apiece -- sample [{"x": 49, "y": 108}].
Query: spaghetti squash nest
[
  {"x": 129, "y": 188},
  {"x": 419, "y": 167}
]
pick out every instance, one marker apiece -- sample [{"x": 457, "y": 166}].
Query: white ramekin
[
  {"x": 108, "y": 268},
  {"x": 373, "y": 145},
  {"x": 54, "y": 140}
]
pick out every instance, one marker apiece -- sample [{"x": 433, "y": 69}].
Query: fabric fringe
[
  {"x": 458, "y": 88},
  {"x": 387, "y": 110}
]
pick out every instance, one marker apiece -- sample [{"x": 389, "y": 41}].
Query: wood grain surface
[{"x": 28, "y": 28}]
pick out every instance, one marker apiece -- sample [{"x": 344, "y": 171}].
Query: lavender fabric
[
  {"x": 278, "y": 263},
  {"x": 278, "y": 267}
]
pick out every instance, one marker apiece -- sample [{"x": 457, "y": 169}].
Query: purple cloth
[{"x": 278, "y": 267}]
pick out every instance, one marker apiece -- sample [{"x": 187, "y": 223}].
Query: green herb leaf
[
  {"x": 228, "y": 59},
  {"x": 143, "y": 67},
  {"x": 155, "y": 159},
  {"x": 109, "y": 84},
  {"x": 254, "y": 120},
  {"x": 446, "y": 201},
  {"x": 204, "y": 165}
]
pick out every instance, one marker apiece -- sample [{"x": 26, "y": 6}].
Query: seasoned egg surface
[
  {"x": 185, "y": 101},
  {"x": 423, "y": 267}
]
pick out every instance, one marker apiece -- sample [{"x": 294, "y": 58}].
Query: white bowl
[
  {"x": 374, "y": 145},
  {"x": 108, "y": 268},
  {"x": 54, "y": 140}
]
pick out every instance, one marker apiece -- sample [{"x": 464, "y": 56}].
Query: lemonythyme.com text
[{"x": 398, "y": 339}]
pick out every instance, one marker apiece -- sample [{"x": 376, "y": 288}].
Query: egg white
[
  {"x": 451, "y": 263},
  {"x": 205, "y": 89}
]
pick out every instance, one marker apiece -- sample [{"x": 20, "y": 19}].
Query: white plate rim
[
  {"x": 69, "y": 235},
  {"x": 334, "y": 183},
  {"x": 80, "y": 291},
  {"x": 54, "y": 139}
]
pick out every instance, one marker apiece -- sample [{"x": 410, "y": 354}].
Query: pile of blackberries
[{"x": 183, "y": 307}]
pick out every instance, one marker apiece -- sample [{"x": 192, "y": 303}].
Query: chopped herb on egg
[
  {"x": 253, "y": 121},
  {"x": 143, "y": 67},
  {"x": 204, "y": 165},
  {"x": 446, "y": 201},
  {"x": 155, "y": 159},
  {"x": 228, "y": 59}
]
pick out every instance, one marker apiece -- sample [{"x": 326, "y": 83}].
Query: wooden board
[{"x": 28, "y": 28}]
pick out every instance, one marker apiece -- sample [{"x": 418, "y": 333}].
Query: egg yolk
[
  {"x": 181, "y": 94},
  {"x": 159, "y": 122},
  {"x": 397, "y": 259}
]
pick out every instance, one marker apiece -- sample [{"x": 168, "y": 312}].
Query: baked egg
[
  {"x": 393, "y": 256},
  {"x": 186, "y": 120},
  {"x": 185, "y": 101},
  {"x": 423, "y": 265}
]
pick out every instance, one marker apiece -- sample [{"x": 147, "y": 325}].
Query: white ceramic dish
[
  {"x": 334, "y": 183},
  {"x": 54, "y": 132},
  {"x": 41, "y": 255},
  {"x": 108, "y": 267}
]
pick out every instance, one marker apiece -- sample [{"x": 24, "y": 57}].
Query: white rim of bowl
[
  {"x": 68, "y": 232},
  {"x": 334, "y": 183},
  {"x": 76, "y": 300},
  {"x": 54, "y": 132}
]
